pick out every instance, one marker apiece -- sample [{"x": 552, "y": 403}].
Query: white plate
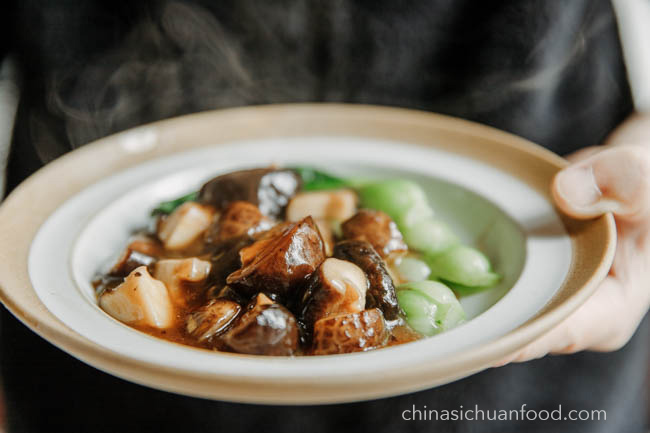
[{"x": 505, "y": 214}]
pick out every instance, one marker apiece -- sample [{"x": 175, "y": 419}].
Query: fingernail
[{"x": 577, "y": 186}]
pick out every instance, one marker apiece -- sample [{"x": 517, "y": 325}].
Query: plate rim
[{"x": 34, "y": 314}]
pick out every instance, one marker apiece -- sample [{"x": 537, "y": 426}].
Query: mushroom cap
[
  {"x": 269, "y": 189},
  {"x": 225, "y": 259},
  {"x": 377, "y": 228},
  {"x": 264, "y": 329},
  {"x": 240, "y": 218},
  {"x": 352, "y": 332},
  {"x": 280, "y": 265},
  {"x": 212, "y": 319}
]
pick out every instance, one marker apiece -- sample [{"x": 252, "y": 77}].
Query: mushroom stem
[{"x": 338, "y": 287}]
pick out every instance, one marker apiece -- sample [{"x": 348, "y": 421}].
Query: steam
[
  {"x": 184, "y": 59},
  {"x": 157, "y": 72}
]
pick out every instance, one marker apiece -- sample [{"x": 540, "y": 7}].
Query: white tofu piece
[
  {"x": 140, "y": 299},
  {"x": 337, "y": 205},
  {"x": 180, "y": 229},
  {"x": 173, "y": 272}
]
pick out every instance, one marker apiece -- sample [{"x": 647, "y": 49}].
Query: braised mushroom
[
  {"x": 352, "y": 332},
  {"x": 225, "y": 259},
  {"x": 240, "y": 218},
  {"x": 378, "y": 229},
  {"x": 268, "y": 189},
  {"x": 261, "y": 241},
  {"x": 282, "y": 263},
  {"x": 224, "y": 292},
  {"x": 327, "y": 234},
  {"x": 337, "y": 287},
  {"x": 212, "y": 319},
  {"x": 381, "y": 292},
  {"x": 139, "y": 300},
  {"x": 266, "y": 328}
]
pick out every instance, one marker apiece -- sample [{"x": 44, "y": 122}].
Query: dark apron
[{"x": 549, "y": 71}]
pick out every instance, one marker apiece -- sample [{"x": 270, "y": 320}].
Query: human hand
[{"x": 610, "y": 178}]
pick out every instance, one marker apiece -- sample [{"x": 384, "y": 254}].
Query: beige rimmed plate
[{"x": 65, "y": 222}]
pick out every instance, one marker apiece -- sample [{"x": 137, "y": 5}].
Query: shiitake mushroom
[
  {"x": 268, "y": 189},
  {"x": 378, "y": 229},
  {"x": 351, "y": 332},
  {"x": 381, "y": 292},
  {"x": 239, "y": 218},
  {"x": 212, "y": 319},
  {"x": 337, "y": 287},
  {"x": 225, "y": 259},
  {"x": 266, "y": 328},
  {"x": 279, "y": 265}
]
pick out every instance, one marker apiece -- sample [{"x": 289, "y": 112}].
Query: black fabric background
[{"x": 549, "y": 71}]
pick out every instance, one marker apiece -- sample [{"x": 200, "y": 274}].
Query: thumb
[{"x": 615, "y": 180}]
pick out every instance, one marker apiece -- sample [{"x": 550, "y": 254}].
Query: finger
[
  {"x": 554, "y": 340},
  {"x": 583, "y": 153},
  {"x": 614, "y": 180},
  {"x": 635, "y": 130},
  {"x": 603, "y": 323},
  {"x": 599, "y": 324}
]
